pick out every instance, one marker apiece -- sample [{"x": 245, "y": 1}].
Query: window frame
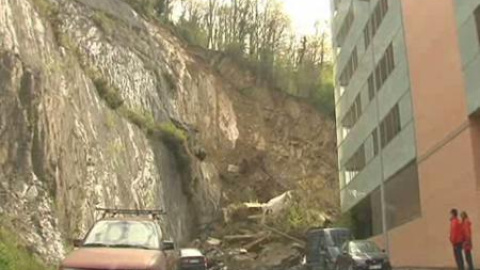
[
  {"x": 371, "y": 86},
  {"x": 476, "y": 16},
  {"x": 390, "y": 126},
  {"x": 346, "y": 26},
  {"x": 376, "y": 147}
]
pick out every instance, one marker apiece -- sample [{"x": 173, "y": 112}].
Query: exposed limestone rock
[{"x": 85, "y": 86}]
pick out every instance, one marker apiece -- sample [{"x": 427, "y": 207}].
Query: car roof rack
[{"x": 113, "y": 212}]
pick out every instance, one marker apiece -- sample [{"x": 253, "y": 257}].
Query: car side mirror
[
  {"x": 168, "y": 245},
  {"x": 77, "y": 242}
]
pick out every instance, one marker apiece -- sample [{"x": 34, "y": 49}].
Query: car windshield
[
  {"x": 364, "y": 247},
  {"x": 124, "y": 234},
  {"x": 339, "y": 237}
]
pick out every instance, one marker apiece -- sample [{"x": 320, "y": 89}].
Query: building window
[
  {"x": 346, "y": 26},
  {"x": 355, "y": 164},
  {"x": 366, "y": 216},
  {"x": 378, "y": 83},
  {"x": 402, "y": 195},
  {"x": 375, "y": 142},
  {"x": 376, "y": 19},
  {"x": 349, "y": 69},
  {"x": 382, "y": 72},
  {"x": 353, "y": 115},
  {"x": 384, "y": 68},
  {"x": 366, "y": 36},
  {"x": 402, "y": 204},
  {"x": 476, "y": 13},
  {"x": 371, "y": 87},
  {"x": 390, "y": 126}
]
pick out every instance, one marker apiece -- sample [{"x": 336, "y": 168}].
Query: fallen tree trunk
[
  {"x": 255, "y": 243},
  {"x": 242, "y": 237},
  {"x": 284, "y": 235}
]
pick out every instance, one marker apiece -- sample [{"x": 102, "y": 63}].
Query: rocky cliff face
[{"x": 102, "y": 107}]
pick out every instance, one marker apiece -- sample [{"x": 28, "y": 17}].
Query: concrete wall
[
  {"x": 436, "y": 85},
  {"x": 424, "y": 242},
  {"x": 475, "y": 130},
  {"x": 402, "y": 149},
  {"x": 444, "y": 136}
]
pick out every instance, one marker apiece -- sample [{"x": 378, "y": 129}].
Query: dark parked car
[
  {"x": 362, "y": 255},
  {"x": 127, "y": 242},
  {"x": 191, "y": 259},
  {"x": 323, "y": 247}
]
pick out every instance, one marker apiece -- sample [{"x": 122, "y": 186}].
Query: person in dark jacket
[
  {"x": 467, "y": 245},
  {"x": 456, "y": 238}
]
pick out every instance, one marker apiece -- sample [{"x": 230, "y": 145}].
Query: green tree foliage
[{"x": 258, "y": 34}]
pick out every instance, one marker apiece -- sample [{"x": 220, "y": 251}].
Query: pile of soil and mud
[
  {"x": 247, "y": 238},
  {"x": 248, "y": 246}
]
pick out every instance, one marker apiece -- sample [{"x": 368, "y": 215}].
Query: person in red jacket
[
  {"x": 457, "y": 238},
  {"x": 467, "y": 245}
]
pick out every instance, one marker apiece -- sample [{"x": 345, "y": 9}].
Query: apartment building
[{"x": 408, "y": 122}]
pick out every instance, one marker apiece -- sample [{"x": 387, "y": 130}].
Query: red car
[{"x": 123, "y": 243}]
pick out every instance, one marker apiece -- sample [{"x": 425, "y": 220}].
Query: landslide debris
[{"x": 250, "y": 237}]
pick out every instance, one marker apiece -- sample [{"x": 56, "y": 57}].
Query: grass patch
[
  {"x": 109, "y": 94},
  {"x": 45, "y": 8},
  {"x": 171, "y": 133},
  {"x": 14, "y": 255},
  {"x": 168, "y": 132},
  {"x": 104, "y": 22},
  {"x": 139, "y": 118}
]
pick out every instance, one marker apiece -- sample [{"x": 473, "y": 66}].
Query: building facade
[{"x": 408, "y": 124}]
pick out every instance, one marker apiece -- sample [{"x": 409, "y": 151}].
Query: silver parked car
[{"x": 362, "y": 255}]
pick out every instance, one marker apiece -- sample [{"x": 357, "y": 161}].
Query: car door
[
  {"x": 171, "y": 256},
  {"x": 342, "y": 262},
  {"x": 350, "y": 263}
]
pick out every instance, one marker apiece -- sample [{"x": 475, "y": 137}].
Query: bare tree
[
  {"x": 210, "y": 21},
  {"x": 260, "y": 31}
]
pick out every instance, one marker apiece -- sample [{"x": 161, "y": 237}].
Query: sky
[{"x": 305, "y": 13}]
